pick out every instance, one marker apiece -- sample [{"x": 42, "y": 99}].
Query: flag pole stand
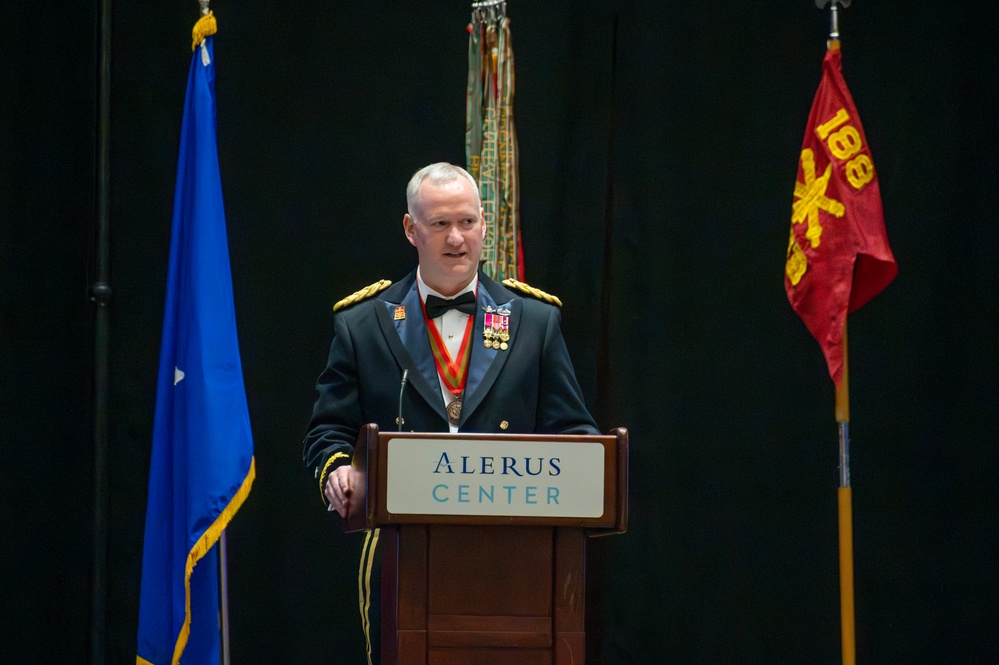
[{"x": 845, "y": 501}]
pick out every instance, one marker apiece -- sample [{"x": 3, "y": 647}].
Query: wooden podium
[{"x": 483, "y": 540}]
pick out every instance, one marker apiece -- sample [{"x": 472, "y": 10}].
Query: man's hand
[{"x": 339, "y": 489}]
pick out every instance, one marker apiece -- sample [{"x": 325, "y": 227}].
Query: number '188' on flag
[{"x": 202, "y": 464}]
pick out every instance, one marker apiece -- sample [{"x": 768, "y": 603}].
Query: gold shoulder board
[
  {"x": 363, "y": 294},
  {"x": 531, "y": 291}
]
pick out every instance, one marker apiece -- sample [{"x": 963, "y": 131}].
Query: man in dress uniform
[{"x": 479, "y": 356}]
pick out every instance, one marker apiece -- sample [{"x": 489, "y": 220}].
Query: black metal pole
[{"x": 100, "y": 295}]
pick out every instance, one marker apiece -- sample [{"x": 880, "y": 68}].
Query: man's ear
[{"x": 407, "y": 227}]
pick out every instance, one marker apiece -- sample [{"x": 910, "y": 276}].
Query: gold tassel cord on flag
[{"x": 205, "y": 27}]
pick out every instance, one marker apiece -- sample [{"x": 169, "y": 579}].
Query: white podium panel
[{"x": 486, "y": 477}]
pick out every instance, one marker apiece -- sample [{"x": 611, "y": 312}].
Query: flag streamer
[
  {"x": 491, "y": 139},
  {"x": 202, "y": 465}
]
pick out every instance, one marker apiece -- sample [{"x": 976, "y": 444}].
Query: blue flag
[{"x": 202, "y": 462}]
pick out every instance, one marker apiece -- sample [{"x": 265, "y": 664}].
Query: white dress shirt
[{"x": 451, "y": 326}]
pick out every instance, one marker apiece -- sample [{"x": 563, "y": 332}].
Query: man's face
[{"x": 447, "y": 229}]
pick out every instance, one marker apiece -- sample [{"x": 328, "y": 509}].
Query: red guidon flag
[{"x": 838, "y": 256}]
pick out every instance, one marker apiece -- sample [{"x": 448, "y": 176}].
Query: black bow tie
[{"x": 463, "y": 303}]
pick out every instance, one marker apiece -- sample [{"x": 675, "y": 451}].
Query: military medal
[
  {"x": 454, "y": 410},
  {"x": 487, "y": 328},
  {"x": 496, "y": 328},
  {"x": 504, "y": 332}
]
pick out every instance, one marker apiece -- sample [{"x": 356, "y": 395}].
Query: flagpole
[
  {"x": 845, "y": 502},
  {"x": 100, "y": 295},
  {"x": 852, "y": 266},
  {"x": 844, "y": 493},
  {"x": 222, "y": 554},
  {"x": 224, "y": 598}
]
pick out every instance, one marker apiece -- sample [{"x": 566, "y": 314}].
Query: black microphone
[{"x": 402, "y": 387}]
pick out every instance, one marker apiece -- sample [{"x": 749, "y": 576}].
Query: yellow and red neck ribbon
[
  {"x": 453, "y": 371},
  {"x": 838, "y": 257},
  {"x": 491, "y": 144}
]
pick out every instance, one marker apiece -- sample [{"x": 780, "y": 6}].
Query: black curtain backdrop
[{"x": 659, "y": 146}]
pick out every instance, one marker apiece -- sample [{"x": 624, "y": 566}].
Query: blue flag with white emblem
[{"x": 202, "y": 464}]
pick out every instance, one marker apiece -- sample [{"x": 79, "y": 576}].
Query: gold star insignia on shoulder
[
  {"x": 531, "y": 291},
  {"x": 362, "y": 294}
]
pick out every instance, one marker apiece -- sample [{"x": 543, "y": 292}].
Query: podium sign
[{"x": 522, "y": 478}]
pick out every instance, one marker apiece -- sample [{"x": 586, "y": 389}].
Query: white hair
[{"x": 440, "y": 173}]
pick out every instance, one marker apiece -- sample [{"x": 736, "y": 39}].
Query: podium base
[{"x": 490, "y": 595}]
